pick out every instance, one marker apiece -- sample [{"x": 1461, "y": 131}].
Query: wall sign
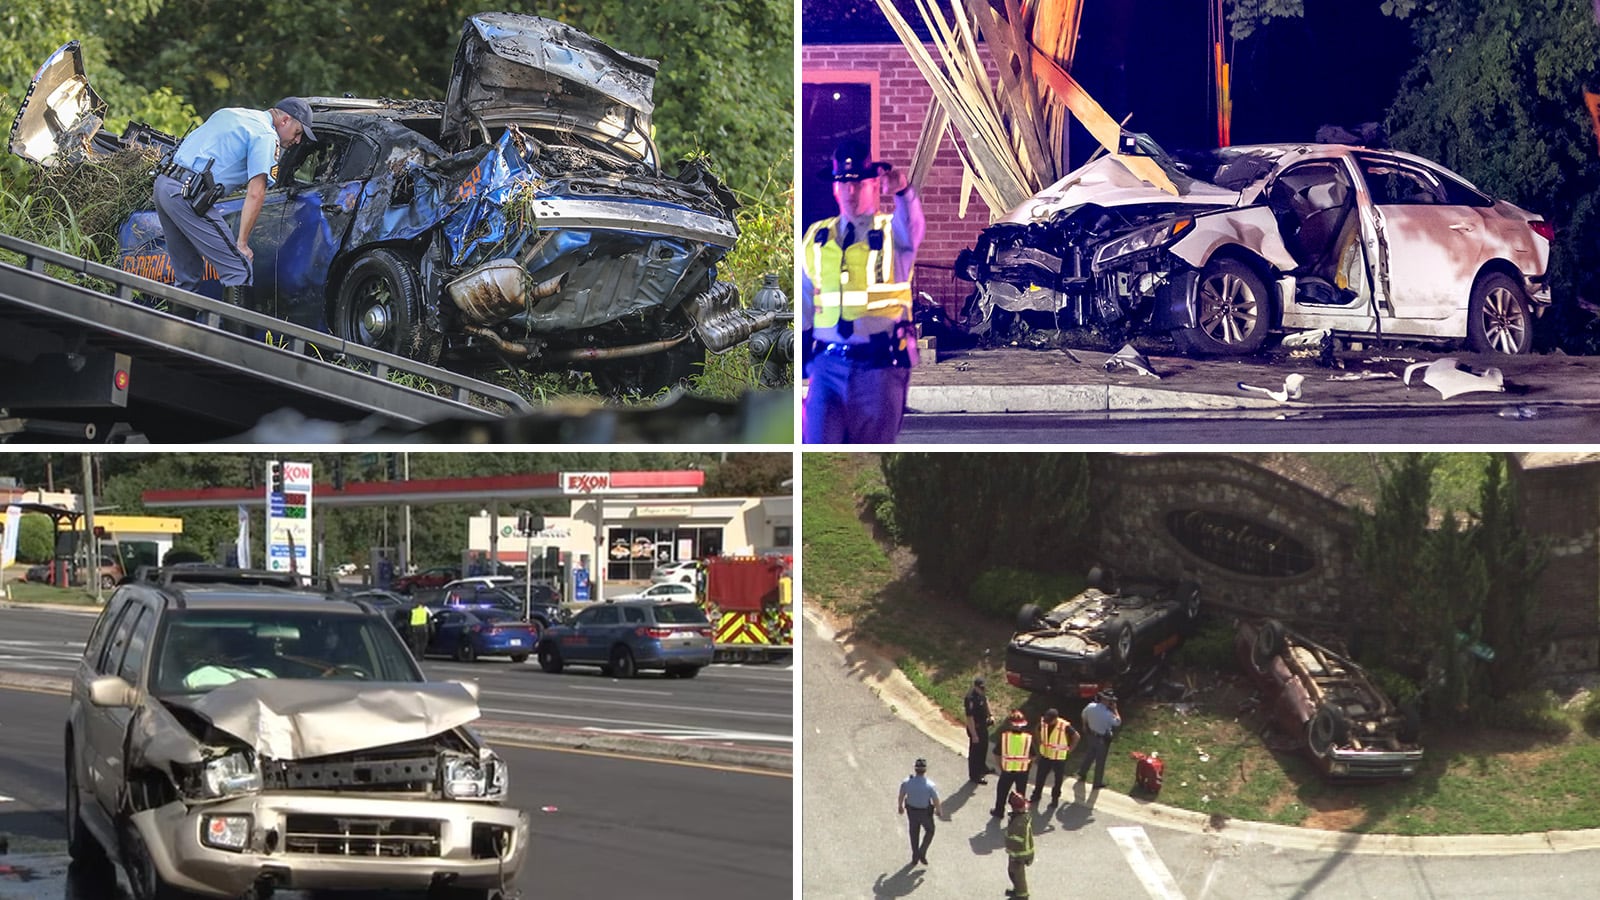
[{"x": 1239, "y": 544}]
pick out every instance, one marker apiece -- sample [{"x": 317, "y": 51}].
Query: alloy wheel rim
[
  {"x": 1230, "y": 309},
  {"x": 1503, "y": 322}
]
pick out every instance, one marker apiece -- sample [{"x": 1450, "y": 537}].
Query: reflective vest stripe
[
  {"x": 1053, "y": 740},
  {"x": 855, "y": 282},
  {"x": 1014, "y": 748}
]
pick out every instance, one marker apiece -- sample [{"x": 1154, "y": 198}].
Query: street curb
[
  {"x": 1039, "y": 398},
  {"x": 883, "y": 678},
  {"x": 554, "y": 738}
]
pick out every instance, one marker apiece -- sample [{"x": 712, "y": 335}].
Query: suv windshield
[
  {"x": 681, "y": 614},
  {"x": 201, "y": 649}
]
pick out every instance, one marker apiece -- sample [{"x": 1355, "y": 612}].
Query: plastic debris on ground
[
  {"x": 1290, "y": 391},
  {"x": 1451, "y": 379},
  {"x": 1129, "y": 358}
]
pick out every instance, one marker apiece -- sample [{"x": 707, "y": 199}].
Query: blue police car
[{"x": 627, "y": 636}]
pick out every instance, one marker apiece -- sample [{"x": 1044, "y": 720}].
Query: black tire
[
  {"x": 380, "y": 306},
  {"x": 1028, "y": 617},
  {"x": 85, "y": 851},
  {"x": 465, "y": 652},
  {"x": 1099, "y": 577},
  {"x": 550, "y": 659},
  {"x": 143, "y": 879},
  {"x": 1122, "y": 647},
  {"x": 682, "y": 671},
  {"x": 1328, "y": 726},
  {"x": 1268, "y": 641},
  {"x": 519, "y": 657},
  {"x": 107, "y": 583},
  {"x": 1234, "y": 310},
  {"x": 622, "y": 663},
  {"x": 1498, "y": 320}
]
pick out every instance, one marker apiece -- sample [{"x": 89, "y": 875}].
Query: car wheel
[
  {"x": 380, "y": 305},
  {"x": 1028, "y": 617},
  {"x": 688, "y": 671},
  {"x": 519, "y": 657},
  {"x": 81, "y": 845},
  {"x": 1122, "y": 648},
  {"x": 1233, "y": 310},
  {"x": 1268, "y": 641},
  {"x": 143, "y": 878},
  {"x": 1498, "y": 320},
  {"x": 465, "y": 652},
  {"x": 1328, "y": 727},
  {"x": 107, "y": 582},
  {"x": 550, "y": 659},
  {"x": 622, "y": 663}
]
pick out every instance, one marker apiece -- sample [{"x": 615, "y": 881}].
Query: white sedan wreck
[{"x": 1268, "y": 237}]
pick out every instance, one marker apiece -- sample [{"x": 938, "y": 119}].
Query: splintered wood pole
[{"x": 1014, "y": 133}]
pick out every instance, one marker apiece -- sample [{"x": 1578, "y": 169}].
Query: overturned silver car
[
  {"x": 522, "y": 222},
  {"x": 227, "y": 738},
  {"x": 1268, "y": 237}
]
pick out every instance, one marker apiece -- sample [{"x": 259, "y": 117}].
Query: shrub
[
  {"x": 1398, "y": 688},
  {"x": 1538, "y": 712},
  {"x": 1211, "y": 647},
  {"x": 880, "y": 504},
  {"x": 35, "y": 539},
  {"x": 1002, "y": 592},
  {"x": 1591, "y": 711}
]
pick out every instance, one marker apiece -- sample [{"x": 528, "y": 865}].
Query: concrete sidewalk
[
  {"x": 897, "y": 692},
  {"x": 1055, "y": 380}
]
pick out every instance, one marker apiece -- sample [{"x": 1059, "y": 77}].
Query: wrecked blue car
[{"x": 523, "y": 222}]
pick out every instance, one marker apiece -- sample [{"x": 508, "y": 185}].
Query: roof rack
[{"x": 200, "y": 573}]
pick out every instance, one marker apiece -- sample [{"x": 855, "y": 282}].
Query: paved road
[
  {"x": 598, "y": 820},
  {"x": 858, "y": 745},
  {"x": 738, "y": 705}
]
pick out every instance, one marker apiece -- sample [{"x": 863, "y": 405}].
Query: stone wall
[
  {"x": 1561, "y": 503},
  {"x": 1256, "y": 541}
]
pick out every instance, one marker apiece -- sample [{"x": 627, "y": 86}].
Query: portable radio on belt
[{"x": 199, "y": 188}]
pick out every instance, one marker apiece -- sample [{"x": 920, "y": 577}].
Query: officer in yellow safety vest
[
  {"x": 419, "y": 630},
  {"x": 855, "y": 303},
  {"x": 1014, "y": 746},
  {"x": 1056, "y": 739}
]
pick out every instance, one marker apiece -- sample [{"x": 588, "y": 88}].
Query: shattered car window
[{"x": 205, "y": 649}]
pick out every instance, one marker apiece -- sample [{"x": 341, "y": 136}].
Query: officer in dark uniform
[{"x": 979, "y": 721}]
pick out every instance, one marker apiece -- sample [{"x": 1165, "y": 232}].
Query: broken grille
[{"x": 341, "y": 836}]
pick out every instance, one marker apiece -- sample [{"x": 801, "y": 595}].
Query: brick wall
[{"x": 902, "y": 105}]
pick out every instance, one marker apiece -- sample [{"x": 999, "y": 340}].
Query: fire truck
[{"x": 749, "y": 600}]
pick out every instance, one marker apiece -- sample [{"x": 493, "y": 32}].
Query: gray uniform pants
[
  {"x": 850, "y": 402},
  {"x": 194, "y": 240}
]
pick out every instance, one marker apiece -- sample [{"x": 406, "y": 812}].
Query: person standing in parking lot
[
  {"x": 979, "y": 721},
  {"x": 419, "y": 631},
  {"x": 919, "y": 801},
  {"x": 1102, "y": 720},
  {"x": 385, "y": 573}
]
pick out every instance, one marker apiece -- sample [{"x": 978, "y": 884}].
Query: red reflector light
[
  {"x": 120, "y": 380},
  {"x": 1544, "y": 230},
  {"x": 644, "y": 631},
  {"x": 1013, "y": 679}
]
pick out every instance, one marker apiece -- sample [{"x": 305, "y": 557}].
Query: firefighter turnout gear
[{"x": 1019, "y": 846}]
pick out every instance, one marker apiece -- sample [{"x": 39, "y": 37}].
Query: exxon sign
[
  {"x": 297, "y": 477},
  {"x": 585, "y": 482}
]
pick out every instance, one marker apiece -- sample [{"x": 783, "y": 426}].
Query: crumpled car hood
[
  {"x": 59, "y": 111},
  {"x": 531, "y": 71},
  {"x": 300, "y": 719},
  {"x": 1107, "y": 182}
]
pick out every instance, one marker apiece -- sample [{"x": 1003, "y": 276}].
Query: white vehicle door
[{"x": 1429, "y": 251}]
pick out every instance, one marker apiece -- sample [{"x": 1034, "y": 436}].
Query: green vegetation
[{"x": 27, "y": 592}]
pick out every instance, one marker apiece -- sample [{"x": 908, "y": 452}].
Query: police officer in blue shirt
[
  {"x": 234, "y": 148},
  {"x": 919, "y": 800}
]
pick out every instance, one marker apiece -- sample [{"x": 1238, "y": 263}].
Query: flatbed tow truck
[{"x": 149, "y": 362}]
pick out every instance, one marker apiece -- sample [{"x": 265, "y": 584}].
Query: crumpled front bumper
[{"x": 311, "y": 841}]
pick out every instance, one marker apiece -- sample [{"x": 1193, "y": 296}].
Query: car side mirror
[{"x": 112, "y": 692}]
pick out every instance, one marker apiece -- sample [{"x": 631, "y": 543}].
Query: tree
[
  {"x": 1512, "y": 561},
  {"x": 749, "y": 475},
  {"x": 964, "y": 513}
]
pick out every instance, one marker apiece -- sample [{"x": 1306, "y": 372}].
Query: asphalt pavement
[
  {"x": 1355, "y": 377},
  {"x": 863, "y": 724}
]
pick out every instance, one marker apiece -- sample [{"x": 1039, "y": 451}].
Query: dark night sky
[{"x": 1339, "y": 65}]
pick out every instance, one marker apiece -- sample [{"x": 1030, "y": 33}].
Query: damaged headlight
[
  {"x": 226, "y": 776},
  {"x": 1143, "y": 239},
  {"x": 483, "y": 778}
]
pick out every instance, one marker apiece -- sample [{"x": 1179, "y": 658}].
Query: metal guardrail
[{"x": 307, "y": 365}]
